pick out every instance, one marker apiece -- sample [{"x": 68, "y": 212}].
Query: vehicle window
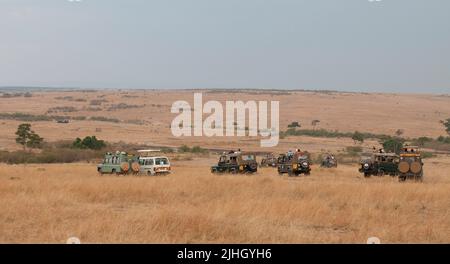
[
  {"x": 248, "y": 157},
  {"x": 161, "y": 161},
  {"x": 301, "y": 158},
  {"x": 149, "y": 162}
]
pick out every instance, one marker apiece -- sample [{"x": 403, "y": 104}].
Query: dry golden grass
[
  {"x": 417, "y": 115},
  {"x": 49, "y": 203}
]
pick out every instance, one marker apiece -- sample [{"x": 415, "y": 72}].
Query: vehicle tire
[
  {"x": 307, "y": 173},
  {"x": 135, "y": 167},
  {"x": 401, "y": 178},
  {"x": 233, "y": 171},
  {"x": 381, "y": 173},
  {"x": 366, "y": 175}
]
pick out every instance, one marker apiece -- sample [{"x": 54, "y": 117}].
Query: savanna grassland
[{"x": 47, "y": 203}]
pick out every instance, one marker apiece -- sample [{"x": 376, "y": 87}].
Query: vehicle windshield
[
  {"x": 161, "y": 161},
  {"x": 302, "y": 158},
  {"x": 248, "y": 157}
]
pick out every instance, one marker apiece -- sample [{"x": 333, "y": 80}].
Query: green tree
[
  {"x": 294, "y": 125},
  {"x": 399, "y": 132},
  {"x": 423, "y": 140},
  {"x": 358, "y": 137},
  {"x": 27, "y": 137},
  {"x": 89, "y": 143},
  {"x": 393, "y": 145},
  {"x": 446, "y": 123}
]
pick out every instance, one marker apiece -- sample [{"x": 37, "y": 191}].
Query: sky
[{"x": 349, "y": 45}]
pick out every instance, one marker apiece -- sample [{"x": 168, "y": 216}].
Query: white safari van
[{"x": 152, "y": 164}]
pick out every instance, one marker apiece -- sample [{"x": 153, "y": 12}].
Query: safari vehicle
[
  {"x": 151, "y": 164},
  {"x": 379, "y": 164},
  {"x": 120, "y": 163},
  {"x": 236, "y": 162},
  {"x": 269, "y": 160},
  {"x": 410, "y": 165},
  {"x": 294, "y": 163},
  {"x": 329, "y": 161}
]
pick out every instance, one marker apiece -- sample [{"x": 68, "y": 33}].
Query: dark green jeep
[
  {"x": 379, "y": 164},
  {"x": 411, "y": 165},
  {"x": 294, "y": 164},
  {"x": 236, "y": 162}
]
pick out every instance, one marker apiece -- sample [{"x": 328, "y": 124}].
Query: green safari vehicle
[{"x": 119, "y": 163}]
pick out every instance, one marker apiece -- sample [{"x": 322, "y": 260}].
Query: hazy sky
[{"x": 353, "y": 45}]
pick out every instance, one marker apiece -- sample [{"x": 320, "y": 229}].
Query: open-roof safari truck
[{"x": 410, "y": 165}]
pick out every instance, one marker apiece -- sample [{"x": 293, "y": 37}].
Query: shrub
[
  {"x": 89, "y": 143},
  {"x": 294, "y": 125},
  {"x": 49, "y": 155},
  {"x": 25, "y": 117},
  {"x": 104, "y": 119},
  {"x": 184, "y": 148},
  {"x": 422, "y": 140},
  {"x": 445, "y": 140},
  {"x": 195, "y": 149},
  {"x": 358, "y": 137},
  {"x": 64, "y": 109},
  {"x": 446, "y": 123},
  {"x": 122, "y": 106},
  {"x": 97, "y": 102},
  {"x": 427, "y": 155}
]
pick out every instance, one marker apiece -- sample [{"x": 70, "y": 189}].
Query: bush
[
  {"x": 25, "y": 117},
  {"x": 122, "y": 106},
  {"x": 97, "y": 102},
  {"x": 294, "y": 125},
  {"x": 104, "y": 119},
  {"x": 49, "y": 155},
  {"x": 358, "y": 137},
  {"x": 184, "y": 148},
  {"x": 427, "y": 155},
  {"x": 89, "y": 143},
  {"x": 195, "y": 149},
  {"x": 446, "y": 123},
  {"x": 422, "y": 141},
  {"x": 64, "y": 109},
  {"x": 445, "y": 140}
]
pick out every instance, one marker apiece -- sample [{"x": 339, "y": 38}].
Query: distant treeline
[
  {"x": 330, "y": 134},
  {"x": 441, "y": 143},
  {"x": 36, "y": 118}
]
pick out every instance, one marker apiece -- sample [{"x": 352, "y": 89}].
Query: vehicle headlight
[
  {"x": 305, "y": 164},
  {"x": 366, "y": 166},
  {"x": 241, "y": 167}
]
